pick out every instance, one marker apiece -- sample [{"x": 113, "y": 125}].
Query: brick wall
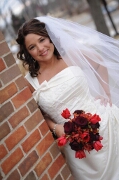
[{"x": 27, "y": 148}]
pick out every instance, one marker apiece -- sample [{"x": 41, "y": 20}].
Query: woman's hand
[
  {"x": 104, "y": 101},
  {"x": 59, "y": 130}
]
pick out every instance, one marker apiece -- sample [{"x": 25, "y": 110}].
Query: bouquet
[{"x": 82, "y": 132}]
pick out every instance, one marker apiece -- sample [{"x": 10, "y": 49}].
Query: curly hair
[{"x": 36, "y": 27}]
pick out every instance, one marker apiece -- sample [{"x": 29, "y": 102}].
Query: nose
[{"x": 40, "y": 47}]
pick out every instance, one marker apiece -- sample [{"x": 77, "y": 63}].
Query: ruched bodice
[
  {"x": 70, "y": 90},
  {"x": 62, "y": 91}
]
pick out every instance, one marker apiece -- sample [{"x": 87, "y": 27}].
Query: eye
[
  {"x": 32, "y": 47},
  {"x": 41, "y": 40}
]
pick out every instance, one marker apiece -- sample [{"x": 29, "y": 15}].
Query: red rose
[
  {"x": 78, "y": 112},
  {"x": 62, "y": 141},
  {"x": 88, "y": 147},
  {"x": 95, "y": 126},
  {"x": 76, "y": 146},
  {"x": 81, "y": 121},
  {"x": 95, "y": 118},
  {"x": 80, "y": 154},
  {"x": 97, "y": 145},
  {"x": 85, "y": 136},
  {"x": 95, "y": 137},
  {"x": 66, "y": 113},
  {"x": 68, "y": 127}
]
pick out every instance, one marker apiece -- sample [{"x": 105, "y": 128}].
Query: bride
[{"x": 74, "y": 67}]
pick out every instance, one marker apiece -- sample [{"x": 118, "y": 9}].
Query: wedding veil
[{"x": 84, "y": 47}]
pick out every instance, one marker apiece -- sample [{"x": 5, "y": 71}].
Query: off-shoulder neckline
[{"x": 67, "y": 68}]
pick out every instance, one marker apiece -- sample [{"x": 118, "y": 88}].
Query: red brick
[
  {"x": 43, "y": 164},
  {"x": 59, "y": 177},
  {"x": 33, "y": 121},
  {"x": 44, "y": 128},
  {"x": 2, "y": 65},
  {"x": 15, "y": 137},
  {"x": 28, "y": 163},
  {"x": 12, "y": 160},
  {"x": 4, "y": 130},
  {"x": 32, "y": 105},
  {"x": 10, "y": 74},
  {"x": 4, "y": 48},
  {"x": 21, "y": 98},
  {"x": 59, "y": 162},
  {"x": 71, "y": 178},
  {"x": 19, "y": 117},
  {"x": 14, "y": 176},
  {"x": 21, "y": 82},
  {"x": 7, "y": 92},
  {"x": 6, "y": 110},
  {"x": 3, "y": 151},
  {"x": 54, "y": 150},
  {"x": 31, "y": 141},
  {"x": 45, "y": 144},
  {"x": 45, "y": 177},
  {"x": 9, "y": 59},
  {"x": 65, "y": 172},
  {"x": 30, "y": 176}
]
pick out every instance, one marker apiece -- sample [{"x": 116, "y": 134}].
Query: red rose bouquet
[{"x": 82, "y": 132}]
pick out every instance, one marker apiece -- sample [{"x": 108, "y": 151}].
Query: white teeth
[{"x": 44, "y": 53}]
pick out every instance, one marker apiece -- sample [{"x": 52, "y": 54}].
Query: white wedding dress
[{"x": 65, "y": 90}]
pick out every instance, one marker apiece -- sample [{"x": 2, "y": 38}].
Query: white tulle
[{"x": 87, "y": 48}]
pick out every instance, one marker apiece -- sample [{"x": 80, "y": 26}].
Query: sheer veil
[{"x": 95, "y": 53}]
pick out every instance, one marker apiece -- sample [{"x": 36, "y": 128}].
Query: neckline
[{"x": 68, "y": 67}]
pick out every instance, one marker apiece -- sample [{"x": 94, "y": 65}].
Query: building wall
[{"x": 27, "y": 148}]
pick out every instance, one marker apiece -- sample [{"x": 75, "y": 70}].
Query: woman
[{"x": 69, "y": 70}]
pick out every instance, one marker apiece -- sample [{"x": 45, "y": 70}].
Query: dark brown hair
[{"x": 36, "y": 27}]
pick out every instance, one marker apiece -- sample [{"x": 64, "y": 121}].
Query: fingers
[
  {"x": 59, "y": 130},
  {"x": 104, "y": 101},
  {"x": 110, "y": 102}
]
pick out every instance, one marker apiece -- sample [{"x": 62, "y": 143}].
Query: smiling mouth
[{"x": 44, "y": 53}]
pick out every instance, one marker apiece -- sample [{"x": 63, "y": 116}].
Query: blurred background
[{"x": 102, "y": 15}]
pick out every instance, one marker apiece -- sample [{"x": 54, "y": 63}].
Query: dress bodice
[
  {"x": 67, "y": 89},
  {"x": 64, "y": 90}
]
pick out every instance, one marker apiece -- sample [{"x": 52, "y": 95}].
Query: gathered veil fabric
[
  {"x": 76, "y": 87},
  {"x": 87, "y": 48}
]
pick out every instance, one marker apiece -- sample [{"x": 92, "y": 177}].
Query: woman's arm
[
  {"x": 103, "y": 79},
  {"x": 56, "y": 129}
]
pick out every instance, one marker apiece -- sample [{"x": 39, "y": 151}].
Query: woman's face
[{"x": 39, "y": 47}]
